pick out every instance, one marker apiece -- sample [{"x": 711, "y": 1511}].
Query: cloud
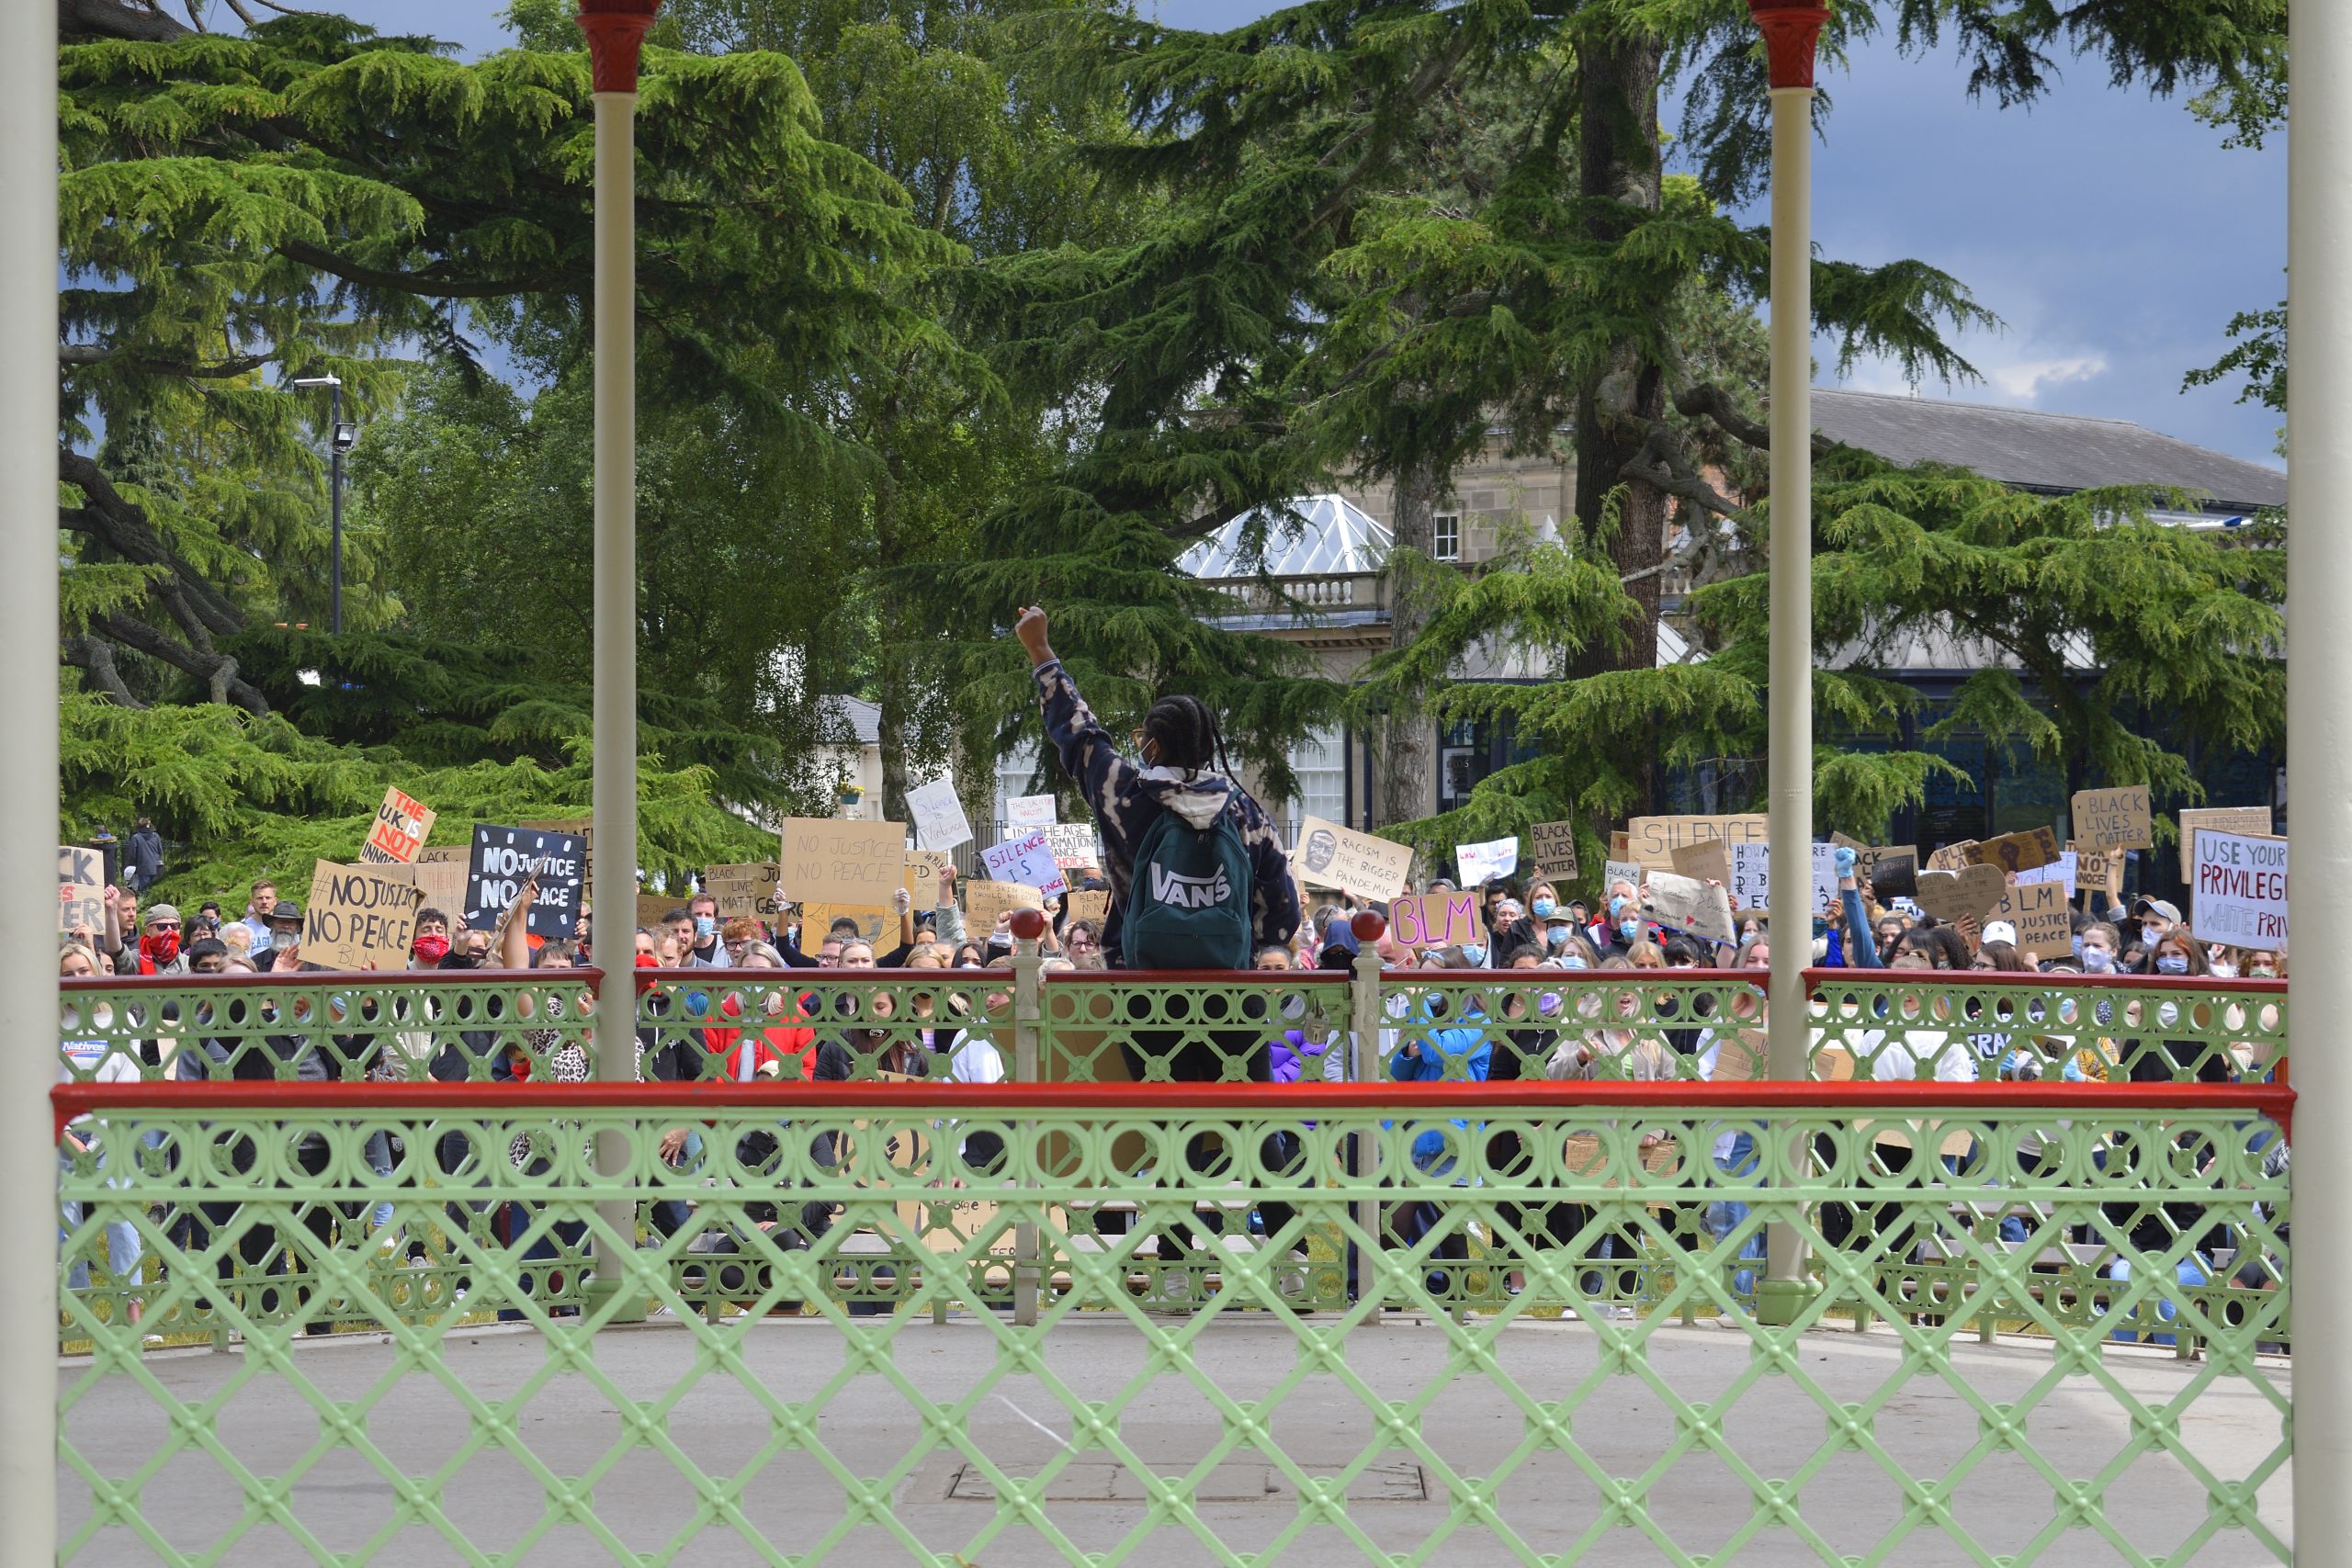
[{"x": 2022, "y": 381}]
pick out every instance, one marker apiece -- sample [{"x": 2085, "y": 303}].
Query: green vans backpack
[{"x": 1188, "y": 906}]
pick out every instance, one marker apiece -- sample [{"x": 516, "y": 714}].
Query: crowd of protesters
[{"x": 1503, "y": 1025}]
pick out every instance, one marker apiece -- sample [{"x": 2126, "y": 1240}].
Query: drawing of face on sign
[{"x": 1322, "y": 846}]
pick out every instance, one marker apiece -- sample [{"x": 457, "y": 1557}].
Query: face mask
[
  {"x": 1556, "y": 936},
  {"x": 2172, "y": 964},
  {"x": 1550, "y": 1004},
  {"x": 433, "y": 949},
  {"x": 1574, "y": 961},
  {"x": 2078, "y": 946},
  {"x": 1629, "y": 930},
  {"x": 2262, "y": 974},
  {"x": 2097, "y": 961},
  {"x": 2225, "y": 971},
  {"x": 1476, "y": 955},
  {"x": 160, "y": 947},
  {"x": 2151, "y": 935},
  {"x": 1544, "y": 909},
  {"x": 705, "y": 927},
  {"x": 1617, "y": 906}
]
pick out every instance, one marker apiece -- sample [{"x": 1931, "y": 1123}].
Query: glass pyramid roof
[{"x": 1309, "y": 535}]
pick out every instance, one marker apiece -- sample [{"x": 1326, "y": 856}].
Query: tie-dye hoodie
[{"x": 1128, "y": 800}]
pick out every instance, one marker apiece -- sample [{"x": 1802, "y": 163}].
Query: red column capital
[
  {"x": 615, "y": 29},
  {"x": 1792, "y": 32}
]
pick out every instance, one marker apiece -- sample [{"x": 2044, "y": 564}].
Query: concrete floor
[{"x": 867, "y": 1428}]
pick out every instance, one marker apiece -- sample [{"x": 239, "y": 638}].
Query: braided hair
[{"x": 1186, "y": 733}]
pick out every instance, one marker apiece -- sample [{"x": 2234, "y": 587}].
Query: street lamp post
[
  {"x": 339, "y": 440},
  {"x": 1792, "y": 31}
]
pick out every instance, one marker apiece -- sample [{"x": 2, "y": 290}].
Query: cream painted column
[
  {"x": 2319, "y": 747},
  {"x": 615, "y": 29},
  {"x": 1790, "y": 32},
  {"x": 29, "y": 777}
]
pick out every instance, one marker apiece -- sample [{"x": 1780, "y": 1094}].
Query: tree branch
[
  {"x": 94, "y": 656},
  {"x": 125, "y": 529},
  {"x": 1706, "y": 400},
  {"x": 414, "y": 283},
  {"x": 82, "y": 353},
  {"x": 219, "y": 671}
]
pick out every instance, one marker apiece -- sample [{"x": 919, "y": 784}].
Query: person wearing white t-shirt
[{"x": 99, "y": 1061}]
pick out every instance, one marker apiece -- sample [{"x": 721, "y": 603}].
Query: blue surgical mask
[
  {"x": 705, "y": 928},
  {"x": 1629, "y": 930},
  {"x": 2172, "y": 964},
  {"x": 2151, "y": 935},
  {"x": 1544, "y": 909},
  {"x": 2097, "y": 961},
  {"x": 1574, "y": 961},
  {"x": 1616, "y": 906},
  {"x": 1556, "y": 936},
  {"x": 1475, "y": 954},
  {"x": 2078, "y": 944}
]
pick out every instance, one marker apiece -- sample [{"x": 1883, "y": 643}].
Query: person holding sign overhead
[{"x": 1199, "y": 877}]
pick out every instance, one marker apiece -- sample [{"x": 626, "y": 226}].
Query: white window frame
[{"x": 1441, "y": 524}]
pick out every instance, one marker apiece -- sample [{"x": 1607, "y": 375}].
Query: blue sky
[{"x": 2110, "y": 232}]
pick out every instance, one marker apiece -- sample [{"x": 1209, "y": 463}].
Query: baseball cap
[
  {"x": 162, "y": 912},
  {"x": 2156, "y": 907},
  {"x": 2001, "y": 930}
]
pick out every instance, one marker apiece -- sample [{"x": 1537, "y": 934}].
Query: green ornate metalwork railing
[{"x": 996, "y": 1377}]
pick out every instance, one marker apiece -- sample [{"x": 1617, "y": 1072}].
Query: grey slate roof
[
  {"x": 2041, "y": 451},
  {"x": 861, "y": 717}
]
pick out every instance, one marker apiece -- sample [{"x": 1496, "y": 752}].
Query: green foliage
[{"x": 238, "y": 796}]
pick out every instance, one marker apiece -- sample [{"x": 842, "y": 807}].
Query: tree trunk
[
  {"x": 1403, "y": 765},
  {"x": 1614, "y": 411}
]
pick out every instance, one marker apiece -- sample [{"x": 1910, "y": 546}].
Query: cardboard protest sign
[
  {"x": 1331, "y": 856},
  {"x": 2114, "y": 819},
  {"x": 1687, "y": 904},
  {"x": 502, "y": 857},
  {"x": 984, "y": 901},
  {"x": 81, "y": 890},
  {"x": 2248, "y": 822},
  {"x": 2046, "y": 925},
  {"x": 1707, "y": 861},
  {"x": 940, "y": 822},
  {"x": 651, "y": 907},
  {"x": 1554, "y": 845},
  {"x": 1653, "y": 839},
  {"x": 398, "y": 833},
  {"x": 1741, "y": 1055},
  {"x": 2240, "y": 890},
  {"x": 1889, "y": 871},
  {"x": 745, "y": 888},
  {"x": 1969, "y": 892},
  {"x": 1485, "y": 862},
  {"x": 921, "y": 879},
  {"x": 878, "y": 927},
  {"x": 1951, "y": 857},
  {"x": 1435, "y": 920},
  {"x": 1620, "y": 845},
  {"x": 1751, "y": 877},
  {"x": 2061, "y": 871},
  {"x": 1028, "y": 860},
  {"x": 441, "y": 884},
  {"x": 359, "y": 918},
  {"x": 1073, "y": 845},
  {"x": 1616, "y": 871},
  {"x": 832, "y": 860},
  {"x": 1093, "y": 907},
  {"x": 1029, "y": 811},
  {"x": 2029, "y": 851},
  {"x": 2100, "y": 869}
]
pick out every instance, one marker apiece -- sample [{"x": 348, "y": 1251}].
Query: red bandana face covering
[
  {"x": 433, "y": 949},
  {"x": 160, "y": 947}
]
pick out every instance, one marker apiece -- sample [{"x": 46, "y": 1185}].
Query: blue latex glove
[{"x": 1844, "y": 857}]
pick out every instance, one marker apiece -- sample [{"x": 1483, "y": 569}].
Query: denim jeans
[
  {"x": 123, "y": 1248},
  {"x": 1724, "y": 1216}
]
